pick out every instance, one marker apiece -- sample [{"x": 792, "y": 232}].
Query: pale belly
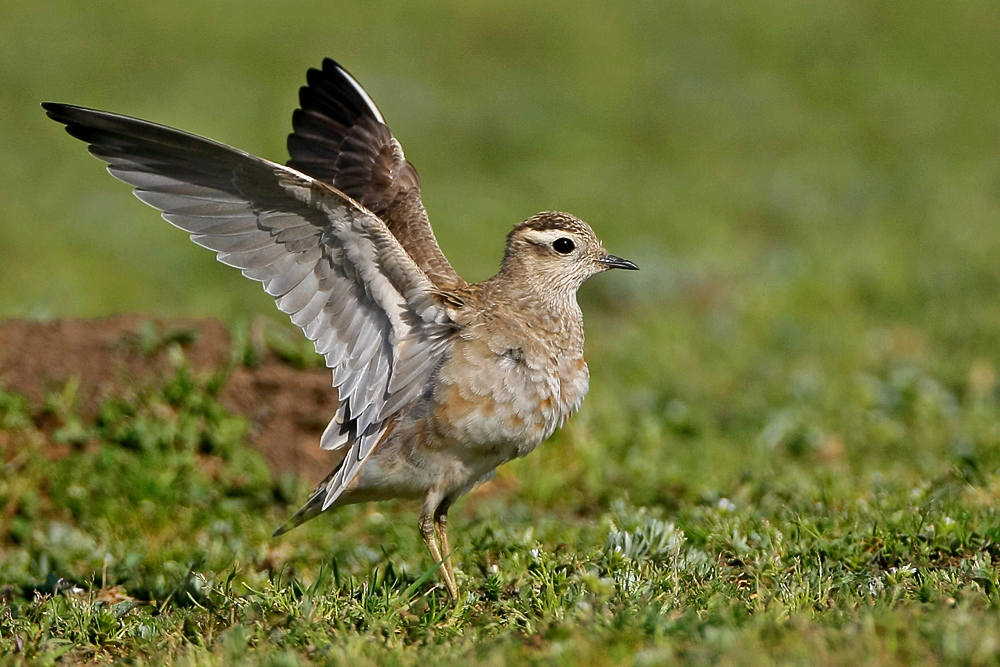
[
  {"x": 502, "y": 407},
  {"x": 486, "y": 410}
]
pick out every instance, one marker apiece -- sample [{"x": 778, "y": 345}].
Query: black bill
[{"x": 613, "y": 262}]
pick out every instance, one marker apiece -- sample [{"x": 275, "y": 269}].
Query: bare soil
[{"x": 288, "y": 408}]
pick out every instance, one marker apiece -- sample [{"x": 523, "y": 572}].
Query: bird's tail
[{"x": 312, "y": 508}]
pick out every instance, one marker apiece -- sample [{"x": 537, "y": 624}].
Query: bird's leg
[
  {"x": 427, "y": 531},
  {"x": 441, "y": 528}
]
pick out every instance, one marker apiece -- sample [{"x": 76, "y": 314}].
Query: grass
[
  {"x": 790, "y": 452},
  {"x": 149, "y": 539}
]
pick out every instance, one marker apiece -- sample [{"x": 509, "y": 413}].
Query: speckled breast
[{"x": 498, "y": 397}]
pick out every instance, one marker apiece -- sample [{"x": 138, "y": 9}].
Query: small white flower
[{"x": 726, "y": 505}]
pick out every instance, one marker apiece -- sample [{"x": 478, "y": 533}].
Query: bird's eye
[{"x": 563, "y": 246}]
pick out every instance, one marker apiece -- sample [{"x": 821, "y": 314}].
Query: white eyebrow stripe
[
  {"x": 361, "y": 91},
  {"x": 549, "y": 235}
]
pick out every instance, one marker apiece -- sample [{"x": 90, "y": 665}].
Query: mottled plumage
[{"x": 439, "y": 381}]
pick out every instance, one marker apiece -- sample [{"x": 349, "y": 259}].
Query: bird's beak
[{"x": 613, "y": 262}]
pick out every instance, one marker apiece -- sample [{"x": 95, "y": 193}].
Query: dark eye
[{"x": 563, "y": 246}]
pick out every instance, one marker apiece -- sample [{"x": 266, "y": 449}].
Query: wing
[
  {"x": 330, "y": 264},
  {"x": 341, "y": 138}
]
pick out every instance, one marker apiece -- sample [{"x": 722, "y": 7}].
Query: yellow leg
[
  {"x": 441, "y": 528},
  {"x": 427, "y": 531}
]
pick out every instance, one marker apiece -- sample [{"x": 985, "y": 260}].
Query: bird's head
[{"x": 558, "y": 251}]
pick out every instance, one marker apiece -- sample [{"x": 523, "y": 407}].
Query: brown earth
[{"x": 288, "y": 408}]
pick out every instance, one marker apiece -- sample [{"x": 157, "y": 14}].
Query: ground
[
  {"x": 147, "y": 461},
  {"x": 287, "y": 407}
]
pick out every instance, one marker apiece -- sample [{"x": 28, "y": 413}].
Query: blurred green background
[{"x": 812, "y": 190}]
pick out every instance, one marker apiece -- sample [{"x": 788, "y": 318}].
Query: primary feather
[
  {"x": 341, "y": 138},
  {"x": 332, "y": 265}
]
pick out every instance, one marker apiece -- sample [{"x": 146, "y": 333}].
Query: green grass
[
  {"x": 790, "y": 453},
  {"x": 150, "y": 538}
]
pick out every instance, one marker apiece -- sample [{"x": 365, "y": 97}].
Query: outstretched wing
[
  {"x": 341, "y": 138},
  {"x": 330, "y": 264}
]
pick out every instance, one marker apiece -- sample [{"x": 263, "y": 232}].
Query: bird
[{"x": 439, "y": 381}]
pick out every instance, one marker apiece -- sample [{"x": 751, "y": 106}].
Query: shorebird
[{"x": 439, "y": 381}]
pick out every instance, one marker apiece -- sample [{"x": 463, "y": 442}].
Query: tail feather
[
  {"x": 312, "y": 508},
  {"x": 327, "y": 493}
]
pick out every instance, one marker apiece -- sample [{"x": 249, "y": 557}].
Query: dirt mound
[{"x": 288, "y": 408}]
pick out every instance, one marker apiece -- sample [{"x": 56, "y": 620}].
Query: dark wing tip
[
  {"x": 329, "y": 64},
  {"x": 81, "y": 122},
  {"x": 332, "y": 86},
  {"x": 73, "y": 115},
  {"x": 61, "y": 113}
]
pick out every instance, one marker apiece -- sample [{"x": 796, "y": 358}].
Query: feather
[{"x": 331, "y": 264}]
